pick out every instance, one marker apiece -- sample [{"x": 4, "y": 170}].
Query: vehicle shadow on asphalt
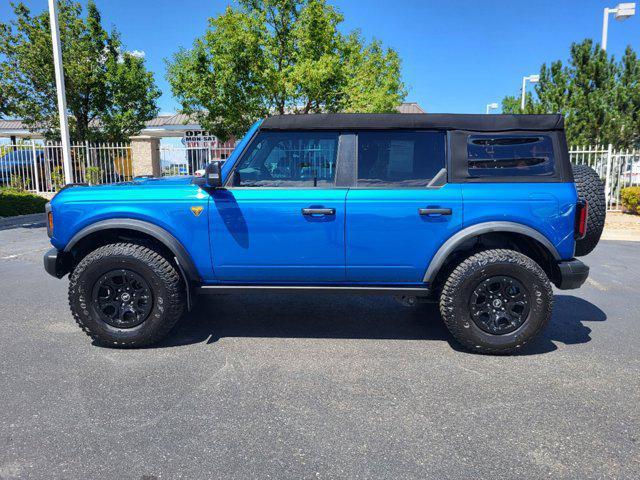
[
  {"x": 567, "y": 324},
  {"x": 354, "y": 317},
  {"x": 23, "y": 225},
  {"x": 36, "y": 220}
]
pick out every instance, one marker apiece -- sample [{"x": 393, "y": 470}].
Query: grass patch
[{"x": 15, "y": 202}]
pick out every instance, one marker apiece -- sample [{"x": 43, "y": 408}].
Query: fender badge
[{"x": 196, "y": 211}]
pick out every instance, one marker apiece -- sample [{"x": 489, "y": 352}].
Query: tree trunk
[{"x": 307, "y": 107}]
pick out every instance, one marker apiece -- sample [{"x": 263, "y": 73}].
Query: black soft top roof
[{"x": 413, "y": 121}]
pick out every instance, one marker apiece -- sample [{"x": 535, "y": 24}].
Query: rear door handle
[
  {"x": 318, "y": 211},
  {"x": 434, "y": 211}
]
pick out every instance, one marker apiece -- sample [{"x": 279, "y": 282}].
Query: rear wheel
[
  {"x": 126, "y": 295},
  {"x": 496, "y": 301}
]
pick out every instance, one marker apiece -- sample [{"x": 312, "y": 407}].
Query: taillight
[{"x": 582, "y": 208}]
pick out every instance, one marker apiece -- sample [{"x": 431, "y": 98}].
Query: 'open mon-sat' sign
[{"x": 199, "y": 139}]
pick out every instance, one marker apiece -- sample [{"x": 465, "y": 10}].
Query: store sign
[{"x": 199, "y": 139}]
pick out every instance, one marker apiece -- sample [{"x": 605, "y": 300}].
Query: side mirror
[{"x": 211, "y": 178}]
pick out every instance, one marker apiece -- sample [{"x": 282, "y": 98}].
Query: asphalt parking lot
[{"x": 317, "y": 387}]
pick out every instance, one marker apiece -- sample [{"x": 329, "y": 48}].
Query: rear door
[
  {"x": 281, "y": 218},
  {"x": 401, "y": 209}
]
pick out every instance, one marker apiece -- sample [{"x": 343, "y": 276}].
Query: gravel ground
[{"x": 317, "y": 387}]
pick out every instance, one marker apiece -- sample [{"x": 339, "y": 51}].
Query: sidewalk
[{"x": 622, "y": 226}]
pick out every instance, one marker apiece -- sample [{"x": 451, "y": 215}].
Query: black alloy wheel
[
  {"x": 499, "y": 305},
  {"x": 496, "y": 301},
  {"x": 126, "y": 294},
  {"x": 122, "y": 298}
]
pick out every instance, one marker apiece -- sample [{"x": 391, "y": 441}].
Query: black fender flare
[
  {"x": 185, "y": 262},
  {"x": 465, "y": 234}
]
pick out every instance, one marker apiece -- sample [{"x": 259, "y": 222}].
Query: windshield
[{"x": 233, "y": 158}]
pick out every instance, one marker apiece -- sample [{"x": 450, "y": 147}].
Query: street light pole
[
  {"x": 532, "y": 79},
  {"x": 62, "y": 99},
  {"x": 622, "y": 12},
  {"x": 605, "y": 28}
]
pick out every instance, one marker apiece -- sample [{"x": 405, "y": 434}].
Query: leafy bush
[
  {"x": 18, "y": 183},
  {"x": 93, "y": 175},
  {"x": 631, "y": 199},
  {"x": 15, "y": 202},
  {"x": 57, "y": 178}
]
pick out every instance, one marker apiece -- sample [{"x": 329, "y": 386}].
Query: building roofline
[{"x": 166, "y": 125}]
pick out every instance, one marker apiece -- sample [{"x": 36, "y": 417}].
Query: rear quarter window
[{"x": 517, "y": 155}]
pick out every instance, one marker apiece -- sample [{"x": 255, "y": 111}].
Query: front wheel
[
  {"x": 126, "y": 295},
  {"x": 496, "y": 301}
]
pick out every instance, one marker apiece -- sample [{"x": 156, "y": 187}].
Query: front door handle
[
  {"x": 318, "y": 211},
  {"x": 434, "y": 211}
]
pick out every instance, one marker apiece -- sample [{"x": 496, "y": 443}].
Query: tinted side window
[
  {"x": 399, "y": 159},
  {"x": 510, "y": 155},
  {"x": 289, "y": 159}
]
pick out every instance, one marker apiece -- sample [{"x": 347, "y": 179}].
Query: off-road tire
[
  {"x": 457, "y": 292},
  {"x": 162, "y": 277},
  {"x": 591, "y": 189}
]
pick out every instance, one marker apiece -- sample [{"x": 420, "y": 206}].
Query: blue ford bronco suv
[{"x": 481, "y": 213}]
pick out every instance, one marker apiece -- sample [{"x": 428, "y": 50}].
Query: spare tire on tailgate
[{"x": 591, "y": 189}]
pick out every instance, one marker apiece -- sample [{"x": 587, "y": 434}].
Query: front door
[
  {"x": 401, "y": 209},
  {"x": 281, "y": 219}
]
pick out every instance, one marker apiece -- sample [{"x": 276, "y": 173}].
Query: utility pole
[{"x": 62, "y": 98}]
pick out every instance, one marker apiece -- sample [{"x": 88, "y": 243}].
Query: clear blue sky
[{"x": 457, "y": 55}]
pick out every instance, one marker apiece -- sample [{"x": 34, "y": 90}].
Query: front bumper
[
  {"x": 56, "y": 263},
  {"x": 573, "y": 273}
]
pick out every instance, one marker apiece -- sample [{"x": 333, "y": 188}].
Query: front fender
[{"x": 159, "y": 233}]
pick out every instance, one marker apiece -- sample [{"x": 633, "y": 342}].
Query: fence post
[
  {"x": 87, "y": 162},
  {"x": 36, "y": 180},
  {"x": 145, "y": 155},
  {"x": 607, "y": 185}
]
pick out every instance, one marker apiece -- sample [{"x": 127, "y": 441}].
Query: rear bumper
[
  {"x": 56, "y": 263},
  {"x": 573, "y": 273}
]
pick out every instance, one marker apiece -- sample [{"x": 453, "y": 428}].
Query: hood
[
  {"x": 151, "y": 182},
  {"x": 137, "y": 188}
]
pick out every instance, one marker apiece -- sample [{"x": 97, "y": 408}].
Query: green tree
[
  {"x": 110, "y": 94},
  {"x": 281, "y": 56},
  {"x": 591, "y": 85},
  {"x": 599, "y": 97},
  {"x": 511, "y": 104},
  {"x": 553, "y": 88},
  {"x": 626, "y": 132},
  {"x": 371, "y": 75}
]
